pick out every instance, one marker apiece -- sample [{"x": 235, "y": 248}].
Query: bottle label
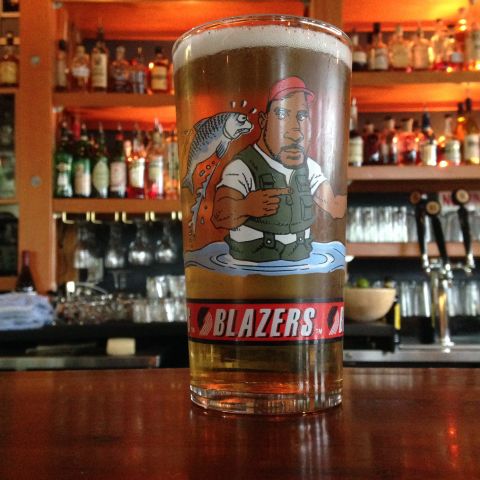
[
  {"x": 400, "y": 56},
  {"x": 136, "y": 173},
  {"x": 452, "y": 152},
  {"x": 359, "y": 57},
  {"x": 475, "y": 45},
  {"x": 420, "y": 58},
  {"x": 81, "y": 71},
  {"x": 63, "y": 177},
  {"x": 99, "y": 70},
  {"x": 61, "y": 73},
  {"x": 265, "y": 322},
  {"x": 155, "y": 169},
  {"x": 118, "y": 176},
  {"x": 8, "y": 73},
  {"x": 456, "y": 58},
  {"x": 355, "y": 152},
  {"x": 160, "y": 78},
  {"x": 429, "y": 154},
  {"x": 100, "y": 176},
  {"x": 471, "y": 147},
  {"x": 82, "y": 181},
  {"x": 381, "y": 59}
]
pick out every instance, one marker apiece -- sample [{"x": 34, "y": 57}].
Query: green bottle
[
  {"x": 100, "y": 171},
  {"x": 82, "y": 186},
  {"x": 63, "y": 161}
]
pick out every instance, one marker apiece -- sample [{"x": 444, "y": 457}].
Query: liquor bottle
[
  {"x": 136, "y": 166},
  {"x": 460, "y": 123},
  {"x": 172, "y": 168},
  {"x": 25, "y": 283},
  {"x": 421, "y": 51},
  {"x": 400, "y": 51},
  {"x": 355, "y": 144},
  {"x": 81, "y": 166},
  {"x": 428, "y": 142},
  {"x": 159, "y": 72},
  {"x": 100, "y": 171},
  {"x": 359, "y": 55},
  {"x": 370, "y": 52},
  {"x": 118, "y": 167},
  {"x": 389, "y": 143},
  {"x": 80, "y": 70},
  {"x": 472, "y": 55},
  {"x": 453, "y": 51},
  {"x": 449, "y": 150},
  {"x": 380, "y": 49},
  {"x": 156, "y": 156},
  {"x": 471, "y": 141},
  {"x": 63, "y": 160},
  {"x": 9, "y": 67},
  {"x": 408, "y": 146},
  {"x": 61, "y": 67},
  {"x": 461, "y": 29},
  {"x": 371, "y": 145},
  {"x": 139, "y": 73},
  {"x": 99, "y": 64},
  {"x": 438, "y": 44},
  {"x": 120, "y": 72}
]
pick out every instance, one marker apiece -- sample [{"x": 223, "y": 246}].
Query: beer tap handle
[
  {"x": 461, "y": 197},
  {"x": 418, "y": 199},
  {"x": 433, "y": 210}
]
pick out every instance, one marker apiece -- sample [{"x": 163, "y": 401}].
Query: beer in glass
[{"x": 262, "y": 106}]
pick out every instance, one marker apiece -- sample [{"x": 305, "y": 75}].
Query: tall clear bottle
[
  {"x": 100, "y": 170},
  {"x": 63, "y": 161},
  {"x": 120, "y": 72},
  {"x": 156, "y": 158},
  {"x": 359, "y": 55},
  {"x": 428, "y": 142},
  {"x": 118, "y": 167},
  {"x": 454, "y": 51},
  {"x": 138, "y": 73},
  {"x": 82, "y": 185},
  {"x": 159, "y": 72},
  {"x": 408, "y": 145},
  {"x": 80, "y": 70},
  {"x": 471, "y": 141},
  {"x": 355, "y": 143},
  {"x": 136, "y": 166},
  {"x": 400, "y": 50},
  {"x": 380, "y": 49},
  {"x": 421, "y": 51},
  {"x": 449, "y": 148},
  {"x": 438, "y": 44},
  {"x": 99, "y": 63}
]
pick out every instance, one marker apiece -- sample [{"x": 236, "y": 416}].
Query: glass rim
[{"x": 320, "y": 25}]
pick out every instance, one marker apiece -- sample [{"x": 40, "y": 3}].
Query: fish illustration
[{"x": 214, "y": 134}]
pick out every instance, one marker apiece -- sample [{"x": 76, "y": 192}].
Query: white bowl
[{"x": 368, "y": 304}]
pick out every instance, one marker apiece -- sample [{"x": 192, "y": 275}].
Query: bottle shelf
[
  {"x": 412, "y": 91},
  {"x": 7, "y": 284},
  {"x": 386, "y": 178},
  {"x": 8, "y": 201},
  {"x": 8, "y": 90},
  {"x": 113, "y": 205},
  {"x": 109, "y": 100},
  {"x": 166, "y": 20},
  {"x": 405, "y": 250}
]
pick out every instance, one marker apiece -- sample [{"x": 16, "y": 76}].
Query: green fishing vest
[{"x": 295, "y": 213}]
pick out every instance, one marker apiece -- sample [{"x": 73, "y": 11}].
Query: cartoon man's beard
[{"x": 277, "y": 157}]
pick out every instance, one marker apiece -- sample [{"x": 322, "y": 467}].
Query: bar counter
[{"x": 395, "y": 423}]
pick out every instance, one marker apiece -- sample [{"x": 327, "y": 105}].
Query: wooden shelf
[
  {"x": 112, "y": 205},
  {"x": 8, "y": 201},
  {"x": 8, "y": 90},
  {"x": 166, "y": 20},
  {"x": 385, "y": 178},
  {"x": 7, "y": 283},
  {"x": 412, "y": 91},
  {"x": 109, "y": 100},
  {"x": 405, "y": 250}
]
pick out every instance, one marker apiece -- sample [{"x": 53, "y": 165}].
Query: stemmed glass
[
  {"x": 140, "y": 253},
  {"x": 165, "y": 248},
  {"x": 115, "y": 254}
]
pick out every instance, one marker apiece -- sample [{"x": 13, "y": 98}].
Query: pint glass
[{"x": 262, "y": 108}]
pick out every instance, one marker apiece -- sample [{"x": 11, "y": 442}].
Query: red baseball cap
[{"x": 289, "y": 85}]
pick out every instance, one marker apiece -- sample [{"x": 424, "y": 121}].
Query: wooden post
[
  {"x": 35, "y": 139},
  {"x": 327, "y": 10}
]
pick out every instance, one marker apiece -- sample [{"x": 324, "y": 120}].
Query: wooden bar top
[{"x": 395, "y": 423}]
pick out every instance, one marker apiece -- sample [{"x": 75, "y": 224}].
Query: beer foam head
[{"x": 200, "y": 43}]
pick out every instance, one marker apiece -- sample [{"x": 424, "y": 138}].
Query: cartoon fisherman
[{"x": 267, "y": 192}]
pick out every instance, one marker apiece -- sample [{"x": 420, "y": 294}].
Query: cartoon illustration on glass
[{"x": 264, "y": 198}]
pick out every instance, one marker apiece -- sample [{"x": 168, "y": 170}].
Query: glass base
[{"x": 263, "y": 404}]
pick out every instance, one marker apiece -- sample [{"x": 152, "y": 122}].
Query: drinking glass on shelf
[
  {"x": 115, "y": 254},
  {"x": 140, "y": 253},
  {"x": 385, "y": 221},
  {"x": 165, "y": 249},
  {"x": 83, "y": 257},
  {"x": 369, "y": 224}
]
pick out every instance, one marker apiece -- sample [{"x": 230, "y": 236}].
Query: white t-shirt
[{"x": 238, "y": 176}]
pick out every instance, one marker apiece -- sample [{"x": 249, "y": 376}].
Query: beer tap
[
  {"x": 440, "y": 275},
  {"x": 461, "y": 197},
  {"x": 418, "y": 200}
]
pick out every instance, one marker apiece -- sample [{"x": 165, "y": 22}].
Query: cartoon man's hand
[{"x": 262, "y": 203}]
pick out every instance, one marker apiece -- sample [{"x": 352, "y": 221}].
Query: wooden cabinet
[{"x": 44, "y": 22}]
